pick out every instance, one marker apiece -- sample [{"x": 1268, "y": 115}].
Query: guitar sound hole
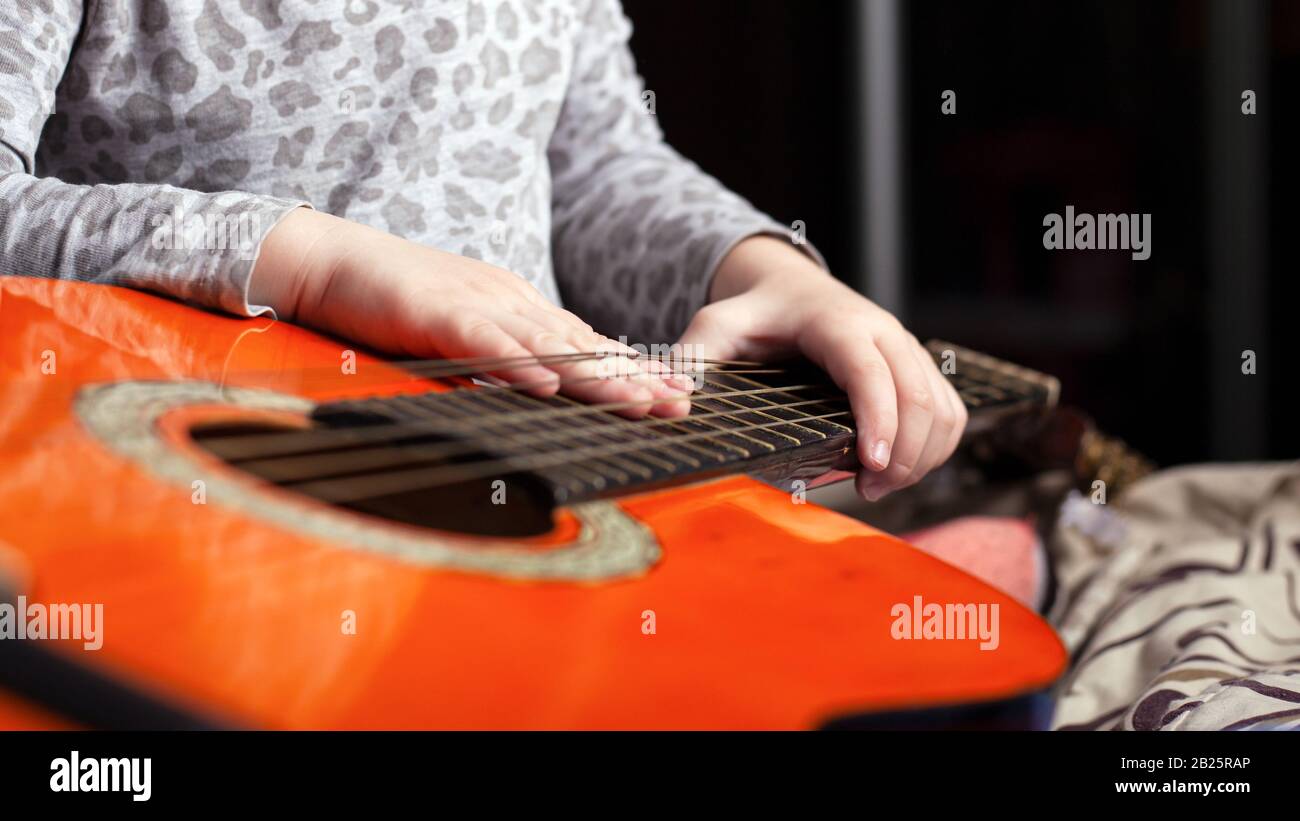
[{"x": 510, "y": 506}]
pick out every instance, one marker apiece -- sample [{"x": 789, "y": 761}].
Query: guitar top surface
[{"x": 717, "y": 604}]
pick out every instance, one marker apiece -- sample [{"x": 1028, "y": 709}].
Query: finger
[
  {"x": 554, "y": 317},
  {"x": 584, "y": 341},
  {"x": 518, "y": 285},
  {"x": 916, "y": 407},
  {"x": 575, "y": 320},
  {"x": 859, "y": 368},
  {"x": 963, "y": 416},
  {"x": 959, "y": 414},
  {"x": 865, "y": 483},
  {"x": 665, "y": 371},
  {"x": 944, "y": 434},
  {"x": 613, "y": 359},
  {"x": 941, "y": 443},
  {"x": 469, "y": 335},
  {"x": 588, "y": 380},
  {"x": 670, "y": 389},
  {"x": 711, "y": 334}
]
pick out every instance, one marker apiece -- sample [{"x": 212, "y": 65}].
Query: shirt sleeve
[
  {"x": 195, "y": 246},
  {"x": 637, "y": 230}
]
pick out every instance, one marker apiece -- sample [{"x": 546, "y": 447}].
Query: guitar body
[{"x": 720, "y": 604}]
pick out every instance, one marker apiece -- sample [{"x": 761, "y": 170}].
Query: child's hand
[
  {"x": 411, "y": 300},
  {"x": 769, "y": 299}
]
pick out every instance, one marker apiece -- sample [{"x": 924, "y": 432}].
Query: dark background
[{"x": 1108, "y": 106}]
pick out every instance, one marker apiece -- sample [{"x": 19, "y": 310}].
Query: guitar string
[
  {"x": 438, "y": 368},
  {"x": 518, "y": 387},
  {"x": 582, "y": 411},
  {"x": 319, "y": 441},
  {"x": 470, "y": 365},
  {"x": 337, "y": 490},
  {"x": 524, "y": 387},
  {"x": 244, "y": 446},
  {"x": 464, "y": 367},
  {"x": 461, "y": 447},
  {"x": 342, "y": 490},
  {"x": 672, "y": 453},
  {"x": 473, "y": 365}
]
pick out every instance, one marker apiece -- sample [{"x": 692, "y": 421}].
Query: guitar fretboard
[{"x": 787, "y": 424}]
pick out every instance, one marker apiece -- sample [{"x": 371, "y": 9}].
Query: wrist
[
  {"x": 295, "y": 258},
  {"x": 759, "y": 259}
]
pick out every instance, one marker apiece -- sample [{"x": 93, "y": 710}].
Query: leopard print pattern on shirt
[{"x": 511, "y": 131}]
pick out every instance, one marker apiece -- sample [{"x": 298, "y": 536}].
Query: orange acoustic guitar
[{"x": 284, "y": 533}]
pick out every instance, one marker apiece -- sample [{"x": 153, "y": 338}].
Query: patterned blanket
[{"x": 1180, "y": 602}]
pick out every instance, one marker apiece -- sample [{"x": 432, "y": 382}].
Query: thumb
[
  {"x": 717, "y": 332},
  {"x": 712, "y": 334}
]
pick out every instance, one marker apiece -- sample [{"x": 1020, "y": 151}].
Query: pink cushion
[{"x": 1003, "y": 552}]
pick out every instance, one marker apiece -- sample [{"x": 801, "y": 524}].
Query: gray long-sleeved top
[{"x": 155, "y": 142}]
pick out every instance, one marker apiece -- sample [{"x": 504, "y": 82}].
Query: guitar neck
[
  {"x": 781, "y": 424},
  {"x": 992, "y": 388}
]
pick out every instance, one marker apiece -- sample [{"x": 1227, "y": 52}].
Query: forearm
[
  {"x": 637, "y": 229},
  {"x": 194, "y": 245},
  {"x": 765, "y": 259}
]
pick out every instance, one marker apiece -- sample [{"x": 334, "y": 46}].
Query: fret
[
  {"x": 675, "y": 426},
  {"x": 746, "y": 418},
  {"x": 716, "y": 452},
  {"x": 767, "y": 410},
  {"x": 703, "y": 402},
  {"x": 747, "y": 415},
  {"x": 659, "y": 434},
  {"x": 725, "y": 441},
  {"x": 735, "y": 440},
  {"x": 678, "y": 426},
  {"x": 990, "y": 384},
  {"x": 822, "y": 428},
  {"x": 592, "y": 424},
  {"x": 656, "y": 434}
]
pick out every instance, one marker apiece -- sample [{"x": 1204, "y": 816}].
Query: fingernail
[
  {"x": 672, "y": 409},
  {"x": 668, "y": 383},
  {"x": 872, "y": 492},
  {"x": 880, "y": 455},
  {"x": 681, "y": 382},
  {"x": 668, "y": 390}
]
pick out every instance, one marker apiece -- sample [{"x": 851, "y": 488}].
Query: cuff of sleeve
[
  {"x": 203, "y": 250},
  {"x": 245, "y": 277}
]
